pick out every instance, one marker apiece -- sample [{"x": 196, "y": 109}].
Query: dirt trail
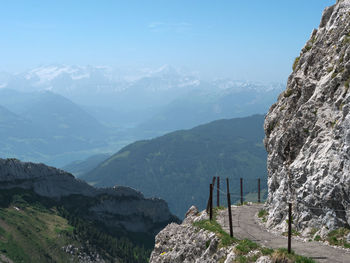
[{"x": 245, "y": 225}]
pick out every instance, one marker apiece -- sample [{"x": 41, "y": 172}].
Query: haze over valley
[{"x": 58, "y": 114}]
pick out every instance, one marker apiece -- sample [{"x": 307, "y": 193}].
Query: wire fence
[{"x": 237, "y": 197}]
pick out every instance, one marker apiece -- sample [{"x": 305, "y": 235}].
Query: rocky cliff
[
  {"x": 308, "y": 131},
  {"x": 191, "y": 243},
  {"x": 119, "y": 207}
]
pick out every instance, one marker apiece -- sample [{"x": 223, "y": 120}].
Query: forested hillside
[
  {"x": 34, "y": 228},
  {"x": 179, "y": 166}
]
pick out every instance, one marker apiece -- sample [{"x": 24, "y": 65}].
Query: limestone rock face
[
  {"x": 119, "y": 206},
  {"x": 187, "y": 243},
  {"x": 44, "y": 180},
  {"x": 308, "y": 131}
]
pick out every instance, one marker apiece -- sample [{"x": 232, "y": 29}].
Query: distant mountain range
[
  {"x": 144, "y": 95},
  {"x": 202, "y": 106},
  {"x": 179, "y": 166},
  {"x": 62, "y": 113}
]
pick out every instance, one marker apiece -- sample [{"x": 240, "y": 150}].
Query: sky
[{"x": 254, "y": 40}]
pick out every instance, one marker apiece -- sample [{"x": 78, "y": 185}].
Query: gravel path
[{"x": 245, "y": 225}]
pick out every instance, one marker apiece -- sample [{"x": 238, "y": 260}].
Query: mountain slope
[
  {"x": 38, "y": 229},
  {"x": 78, "y": 168},
  {"x": 46, "y": 127},
  {"x": 12, "y": 125},
  {"x": 178, "y": 166},
  {"x": 116, "y": 222},
  {"x": 54, "y": 113},
  {"x": 19, "y": 222}
]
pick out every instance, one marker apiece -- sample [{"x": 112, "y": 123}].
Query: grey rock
[
  {"x": 193, "y": 211},
  {"x": 323, "y": 233},
  {"x": 348, "y": 238},
  {"x": 230, "y": 257},
  {"x": 187, "y": 243},
  {"x": 308, "y": 131},
  {"x": 264, "y": 259}
]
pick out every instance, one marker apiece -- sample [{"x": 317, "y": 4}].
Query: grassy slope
[
  {"x": 34, "y": 234},
  {"x": 179, "y": 166},
  {"x": 35, "y": 229}
]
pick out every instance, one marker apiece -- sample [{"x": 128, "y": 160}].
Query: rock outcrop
[
  {"x": 120, "y": 207},
  {"x": 187, "y": 243},
  {"x": 308, "y": 131}
]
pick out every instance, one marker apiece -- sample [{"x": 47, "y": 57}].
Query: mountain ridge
[{"x": 58, "y": 184}]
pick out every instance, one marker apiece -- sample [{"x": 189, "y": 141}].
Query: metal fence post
[
  {"x": 218, "y": 192},
  {"x": 259, "y": 190},
  {"x": 229, "y": 207},
  {"x": 209, "y": 196},
  {"x": 290, "y": 228},
  {"x": 211, "y": 202},
  {"x": 241, "y": 191}
]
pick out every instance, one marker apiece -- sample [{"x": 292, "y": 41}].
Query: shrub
[
  {"x": 296, "y": 62},
  {"x": 287, "y": 93}
]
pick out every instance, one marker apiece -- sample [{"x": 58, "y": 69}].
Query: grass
[
  {"x": 242, "y": 259},
  {"x": 308, "y": 47},
  {"x": 245, "y": 246},
  {"x": 317, "y": 238},
  {"x": 338, "y": 237},
  {"x": 263, "y": 214},
  {"x": 213, "y": 226},
  {"x": 46, "y": 231},
  {"x": 281, "y": 255},
  {"x": 266, "y": 251},
  {"x": 296, "y": 62},
  {"x": 294, "y": 233}
]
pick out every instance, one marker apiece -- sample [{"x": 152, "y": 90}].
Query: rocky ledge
[
  {"x": 187, "y": 243},
  {"x": 308, "y": 131},
  {"x": 120, "y": 207}
]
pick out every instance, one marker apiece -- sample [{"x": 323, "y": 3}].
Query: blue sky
[{"x": 248, "y": 40}]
